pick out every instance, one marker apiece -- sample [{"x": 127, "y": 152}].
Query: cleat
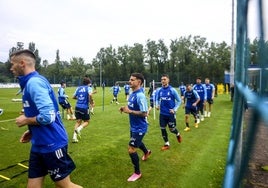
[
  {"x": 179, "y": 138},
  {"x": 209, "y": 114},
  {"x": 165, "y": 147},
  {"x": 196, "y": 125},
  {"x": 187, "y": 129},
  {"x": 202, "y": 118},
  {"x": 197, "y": 120},
  {"x": 75, "y": 141},
  {"x": 117, "y": 102},
  {"x": 134, "y": 177},
  {"x": 146, "y": 156}
]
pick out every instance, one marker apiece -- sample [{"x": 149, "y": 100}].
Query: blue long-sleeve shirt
[
  {"x": 168, "y": 98},
  {"x": 40, "y": 101}
]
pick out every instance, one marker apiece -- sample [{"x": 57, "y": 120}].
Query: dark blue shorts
[
  {"x": 65, "y": 104},
  {"x": 136, "y": 139},
  {"x": 57, "y": 164},
  {"x": 200, "y": 105},
  {"x": 191, "y": 110},
  {"x": 210, "y": 101},
  {"x": 167, "y": 120},
  {"x": 81, "y": 113}
]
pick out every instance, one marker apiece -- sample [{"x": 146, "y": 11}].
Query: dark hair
[
  {"x": 139, "y": 76},
  {"x": 165, "y": 75},
  {"x": 86, "y": 80},
  {"x": 25, "y": 52}
]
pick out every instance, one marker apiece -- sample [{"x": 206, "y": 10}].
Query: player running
[{"x": 190, "y": 100}]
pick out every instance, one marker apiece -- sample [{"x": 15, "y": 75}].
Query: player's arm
[
  {"x": 39, "y": 92},
  {"x": 157, "y": 102},
  {"x": 197, "y": 98},
  {"x": 213, "y": 90},
  {"x": 205, "y": 92},
  {"x": 74, "y": 95},
  {"x": 177, "y": 100}
]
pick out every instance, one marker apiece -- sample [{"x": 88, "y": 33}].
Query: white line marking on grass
[{"x": 7, "y": 120}]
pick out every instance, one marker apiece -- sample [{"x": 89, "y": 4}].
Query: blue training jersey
[
  {"x": 190, "y": 97},
  {"x": 210, "y": 89},
  {"x": 61, "y": 95},
  {"x": 127, "y": 88},
  {"x": 138, "y": 102},
  {"x": 168, "y": 98},
  {"x": 201, "y": 90},
  {"x": 115, "y": 89},
  {"x": 40, "y": 101},
  {"x": 82, "y": 95}
]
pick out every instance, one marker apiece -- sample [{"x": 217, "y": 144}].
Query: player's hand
[
  {"x": 21, "y": 120},
  {"x": 121, "y": 109},
  {"x": 26, "y": 137},
  {"x": 124, "y": 109},
  {"x": 171, "y": 111}
]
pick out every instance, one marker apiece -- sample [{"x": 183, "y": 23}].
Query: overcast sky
[{"x": 79, "y": 28}]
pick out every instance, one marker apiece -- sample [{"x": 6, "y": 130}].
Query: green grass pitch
[{"x": 101, "y": 155}]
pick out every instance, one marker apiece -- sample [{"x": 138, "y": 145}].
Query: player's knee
[{"x": 131, "y": 149}]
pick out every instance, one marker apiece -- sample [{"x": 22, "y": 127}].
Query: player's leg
[
  {"x": 206, "y": 109},
  {"x": 163, "y": 121},
  {"x": 187, "y": 117},
  {"x": 134, "y": 143},
  {"x": 35, "y": 182},
  {"x": 201, "y": 110},
  {"x": 37, "y": 171},
  {"x": 173, "y": 128},
  {"x": 66, "y": 182},
  {"x": 60, "y": 160}
]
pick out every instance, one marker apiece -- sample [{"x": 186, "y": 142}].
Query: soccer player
[
  {"x": 126, "y": 88},
  {"x": 63, "y": 101},
  {"x": 210, "y": 96},
  {"x": 137, "y": 109},
  {"x": 46, "y": 131},
  {"x": 83, "y": 95},
  {"x": 115, "y": 89},
  {"x": 93, "y": 92},
  {"x": 202, "y": 92},
  {"x": 190, "y": 100},
  {"x": 168, "y": 101}
]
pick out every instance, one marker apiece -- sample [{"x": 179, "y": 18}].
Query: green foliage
[{"x": 101, "y": 155}]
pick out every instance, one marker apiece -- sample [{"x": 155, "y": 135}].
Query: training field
[{"x": 101, "y": 155}]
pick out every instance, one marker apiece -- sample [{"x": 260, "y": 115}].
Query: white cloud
[{"x": 79, "y": 28}]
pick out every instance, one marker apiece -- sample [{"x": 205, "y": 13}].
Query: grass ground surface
[{"x": 101, "y": 155}]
